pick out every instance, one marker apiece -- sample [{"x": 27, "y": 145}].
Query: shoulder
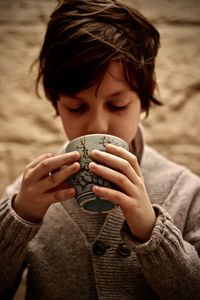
[
  {"x": 153, "y": 160},
  {"x": 157, "y": 164},
  {"x": 163, "y": 175}
]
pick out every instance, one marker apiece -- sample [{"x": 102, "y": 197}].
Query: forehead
[{"x": 112, "y": 82}]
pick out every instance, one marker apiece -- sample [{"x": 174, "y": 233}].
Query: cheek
[
  {"x": 70, "y": 130},
  {"x": 71, "y": 126},
  {"x": 130, "y": 133},
  {"x": 64, "y": 118},
  {"x": 129, "y": 126}
]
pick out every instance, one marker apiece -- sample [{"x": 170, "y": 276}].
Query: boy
[{"x": 97, "y": 69}]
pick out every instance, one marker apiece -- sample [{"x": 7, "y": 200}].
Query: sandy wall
[{"x": 27, "y": 125}]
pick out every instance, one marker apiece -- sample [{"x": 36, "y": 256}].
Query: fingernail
[
  {"x": 76, "y": 165},
  {"x": 94, "y": 151},
  {"x": 110, "y": 146},
  {"x": 71, "y": 192},
  {"x": 92, "y": 165},
  {"x": 95, "y": 189}
]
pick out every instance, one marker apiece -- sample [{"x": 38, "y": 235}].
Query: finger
[
  {"x": 50, "y": 164},
  {"x": 39, "y": 159},
  {"x": 115, "y": 196},
  {"x": 58, "y": 179},
  {"x": 127, "y": 155},
  {"x": 59, "y": 196},
  {"x": 62, "y": 186},
  {"x": 120, "y": 180},
  {"x": 116, "y": 163}
]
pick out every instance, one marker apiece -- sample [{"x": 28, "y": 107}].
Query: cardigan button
[
  {"x": 99, "y": 248},
  {"x": 123, "y": 250}
]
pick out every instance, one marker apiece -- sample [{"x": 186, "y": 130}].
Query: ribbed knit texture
[
  {"x": 90, "y": 225},
  {"x": 19, "y": 230},
  {"x": 13, "y": 242},
  {"x": 59, "y": 252}
]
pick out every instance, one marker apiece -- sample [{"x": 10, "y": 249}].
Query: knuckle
[
  {"x": 134, "y": 159},
  {"x": 125, "y": 164},
  {"x": 59, "y": 196},
  {"x": 27, "y": 178},
  {"x": 118, "y": 197},
  {"x": 49, "y": 154},
  {"x": 44, "y": 164},
  {"x": 122, "y": 180},
  {"x": 141, "y": 182},
  {"x": 30, "y": 191}
]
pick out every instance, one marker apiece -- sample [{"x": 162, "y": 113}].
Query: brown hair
[{"x": 84, "y": 36}]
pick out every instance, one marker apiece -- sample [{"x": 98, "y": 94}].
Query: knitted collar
[{"x": 138, "y": 144}]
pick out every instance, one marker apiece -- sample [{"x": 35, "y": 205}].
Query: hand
[
  {"x": 39, "y": 190},
  {"x": 121, "y": 168}
]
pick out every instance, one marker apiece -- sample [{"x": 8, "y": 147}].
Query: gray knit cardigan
[{"x": 75, "y": 255}]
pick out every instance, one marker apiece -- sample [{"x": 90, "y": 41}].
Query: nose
[{"x": 97, "y": 122}]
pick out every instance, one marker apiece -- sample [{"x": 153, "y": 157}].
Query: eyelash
[
  {"x": 117, "y": 108},
  {"x": 110, "y": 106},
  {"x": 75, "y": 110}
]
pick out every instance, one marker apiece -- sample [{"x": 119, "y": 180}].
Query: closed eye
[
  {"x": 113, "y": 107},
  {"x": 78, "y": 109},
  {"x": 74, "y": 110}
]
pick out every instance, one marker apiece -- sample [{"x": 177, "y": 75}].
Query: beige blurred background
[{"x": 27, "y": 125}]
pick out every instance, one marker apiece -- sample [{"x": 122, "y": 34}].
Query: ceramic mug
[{"x": 83, "y": 181}]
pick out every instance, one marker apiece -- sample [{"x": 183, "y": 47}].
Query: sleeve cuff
[
  {"x": 15, "y": 231},
  {"x": 162, "y": 225}
]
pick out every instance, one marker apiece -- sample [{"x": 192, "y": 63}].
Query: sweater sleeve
[
  {"x": 15, "y": 234},
  {"x": 170, "y": 265}
]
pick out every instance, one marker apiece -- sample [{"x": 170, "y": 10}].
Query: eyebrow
[{"x": 114, "y": 94}]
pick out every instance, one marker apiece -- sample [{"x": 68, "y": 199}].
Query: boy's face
[{"x": 112, "y": 108}]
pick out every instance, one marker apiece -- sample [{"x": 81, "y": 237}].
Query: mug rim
[{"x": 97, "y": 135}]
